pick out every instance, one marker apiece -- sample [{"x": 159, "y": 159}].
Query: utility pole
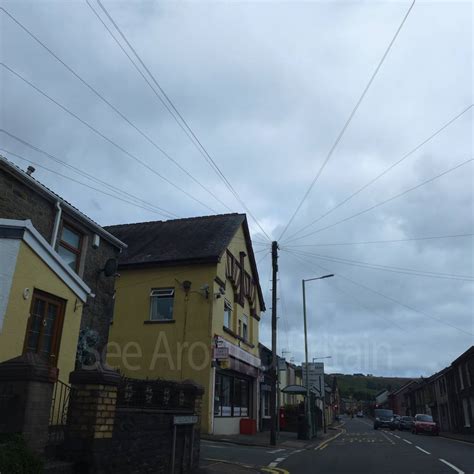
[{"x": 273, "y": 411}]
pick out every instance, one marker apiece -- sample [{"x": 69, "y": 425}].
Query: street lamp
[
  {"x": 319, "y": 358},
  {"x": 308, "y": 404}
]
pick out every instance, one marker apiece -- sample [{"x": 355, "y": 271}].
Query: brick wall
[
  {"x": 19, "y": 201},
  {"x": 114, "y": 426}
]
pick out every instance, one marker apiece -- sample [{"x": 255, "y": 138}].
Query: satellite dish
[{"x": 110, "y": 268}]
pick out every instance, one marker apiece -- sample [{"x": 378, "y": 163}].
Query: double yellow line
[{"x": 324, "y": 444}]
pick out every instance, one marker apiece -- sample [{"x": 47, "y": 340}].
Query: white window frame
[
  {"x": 228, "y": 311},
  {"x": 245, "y": 328},
  {"x": 160, "y": 293}
]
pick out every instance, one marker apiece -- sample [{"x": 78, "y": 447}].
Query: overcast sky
[{"x": 267, "y": 86}]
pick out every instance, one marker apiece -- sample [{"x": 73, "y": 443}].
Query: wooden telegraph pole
[{"x": 273, "y": 404}]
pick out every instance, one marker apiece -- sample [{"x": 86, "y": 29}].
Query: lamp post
[{"x": 308, "y": 404}]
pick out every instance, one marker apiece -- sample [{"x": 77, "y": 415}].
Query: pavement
[
  {"x": 285, "y": 439},
  {"x": 253, "y": 453},
  {"x": 355, "y": 447}
]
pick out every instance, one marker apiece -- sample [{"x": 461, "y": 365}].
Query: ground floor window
[{"x": 232, "y": 395}]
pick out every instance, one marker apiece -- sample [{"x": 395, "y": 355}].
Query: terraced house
[{"x": 188, "y": 305}]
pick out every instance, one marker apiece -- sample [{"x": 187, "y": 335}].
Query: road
[{"x": 357, "y": 448}]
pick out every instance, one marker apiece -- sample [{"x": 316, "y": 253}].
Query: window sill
[
  {"x": 240, "y": 338},
  {"x": 160, "y": 321}
]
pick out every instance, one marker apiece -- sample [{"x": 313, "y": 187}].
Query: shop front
[{"x": 236, "y": 389}]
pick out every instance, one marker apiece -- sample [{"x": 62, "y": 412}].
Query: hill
[{"x": 363, "y": 387}]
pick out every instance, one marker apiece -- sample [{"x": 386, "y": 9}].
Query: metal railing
[{"x": 58, "y": 414}]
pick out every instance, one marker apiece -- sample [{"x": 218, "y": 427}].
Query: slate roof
[
  {"x": 38, "y": 186},
  {"x": 191, "y": 240}
]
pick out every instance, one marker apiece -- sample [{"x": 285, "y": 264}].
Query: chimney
[{"x": 30, "y": 170}]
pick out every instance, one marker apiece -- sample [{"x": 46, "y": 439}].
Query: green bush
[{"x": 16, "y": 458}]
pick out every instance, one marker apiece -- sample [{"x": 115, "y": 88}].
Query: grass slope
[{"x": 365, "y": 388}]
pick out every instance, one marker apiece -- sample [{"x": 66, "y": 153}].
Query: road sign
[
  {"x": 221, "y": 353},
  {"x": 185, "y": 420},
  {"x": 315, "y": 375}
]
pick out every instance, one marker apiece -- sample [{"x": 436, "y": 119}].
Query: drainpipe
[{"x": 57, "y": 221}]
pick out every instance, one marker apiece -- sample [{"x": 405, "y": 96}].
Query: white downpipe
[{"x": 57, "y": 221}]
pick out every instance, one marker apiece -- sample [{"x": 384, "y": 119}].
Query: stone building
[{"x": 83, "y": 244}]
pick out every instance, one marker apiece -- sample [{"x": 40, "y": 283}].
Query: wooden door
[{"x": 45, "y": 324}]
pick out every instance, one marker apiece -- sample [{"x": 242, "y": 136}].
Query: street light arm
[{"x": 320, "y": 278}]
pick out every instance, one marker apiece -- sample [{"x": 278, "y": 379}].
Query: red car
[{"x": 425, "y": 424}]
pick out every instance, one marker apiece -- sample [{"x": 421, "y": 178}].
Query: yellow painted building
[
  {"x": 187, "y": 306},
  {"x": 41, "y": 298}
]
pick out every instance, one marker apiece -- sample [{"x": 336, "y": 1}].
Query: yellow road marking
[
  {"x": 275, "y": 470},
  {"x": 328, "y": 440}
]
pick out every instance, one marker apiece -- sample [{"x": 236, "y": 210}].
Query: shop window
[
  {"x": 227, "y": 314},
  {"x": 69, "y": 246},
  {"x": 232, "y": 395},
  {"x": 161, "y": 304}
]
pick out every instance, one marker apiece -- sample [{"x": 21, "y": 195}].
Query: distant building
[
  {"x": 448, "y": 395},
  {"x": 397, "y": 401},
  {"x": 381, "y": 398}
]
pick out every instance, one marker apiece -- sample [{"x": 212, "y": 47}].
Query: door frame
[{"x": 58, "y": 324}]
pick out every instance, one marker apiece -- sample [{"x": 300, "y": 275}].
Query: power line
[
  {"x": 110, "y": 105},
  {"x": 348, "y": 121},
  {"x": 372, "y": 181},
  {"x": 183, "y": 124},
  {"x": 377, "y": 241},
  {"x": 393, "y": 300},
  {"x": 107, "y": 139},
  {"x": 263, "y": 256},
  {"x": 384, "y": 202},
  {"x": 85, "y": 174},
  {"x": 373, "y": 266},
  {"x": 84, "y": 184},
  {"x": 331, "y": 283}
]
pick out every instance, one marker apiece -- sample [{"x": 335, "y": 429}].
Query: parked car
[
  {"x": 425, "y": 424},
  {"x": 406, "y": 423},
  {"x": 394, "y": 422},
  {"x": 360, "y": 414},
  {"x": 382, "y": 418}
]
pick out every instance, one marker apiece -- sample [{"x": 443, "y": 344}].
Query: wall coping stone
[
  {"x": 101, "y": 375},
  {"x": 28, "y": 367}
]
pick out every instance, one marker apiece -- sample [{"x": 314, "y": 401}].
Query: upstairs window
[
  {"x": 227, "y": 314},
  {"x": 244, "y": 328},
  {"x": 161, "y": 307},
  {"x": 69, "y": 246}
]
